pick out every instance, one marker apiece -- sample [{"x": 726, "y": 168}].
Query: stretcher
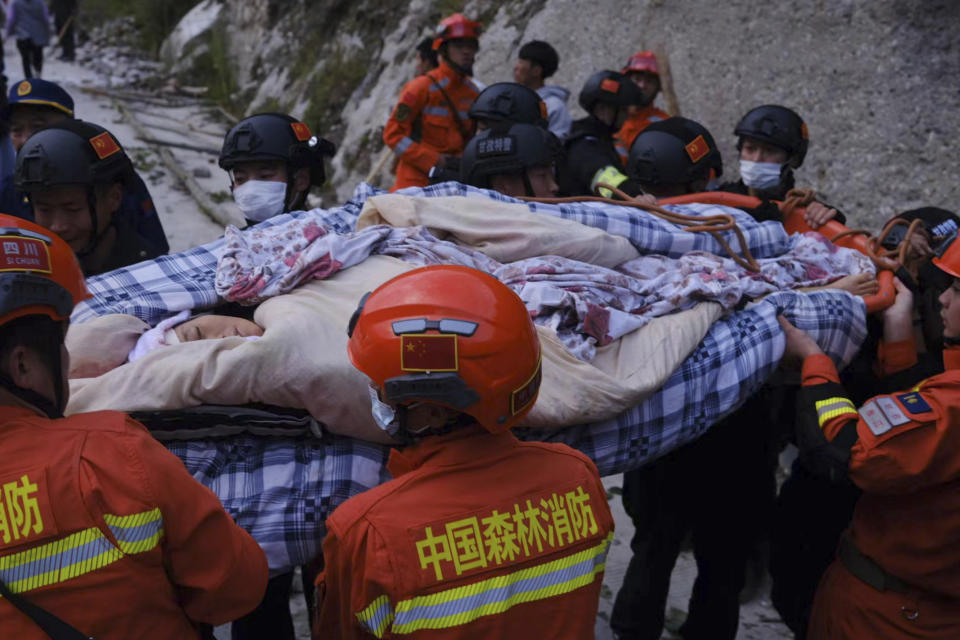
[{"x": 281, "y": 486}]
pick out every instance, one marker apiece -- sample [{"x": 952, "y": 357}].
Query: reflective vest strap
[
  {"x": 461, "y": 605},
  {"x": 377, "y": 617},
  {"x": 833, "y": 407},
  {"x": 137, "y": 533},
  {"x": 403, "y": 145},
  {"x": 81, "y": 552}
]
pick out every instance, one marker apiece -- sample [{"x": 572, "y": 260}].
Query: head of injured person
[
  {"x": 273, "y": 160},
  {"x": 674, "y": 157},
  {"x": 518, "y": 161},
  {"x": 40, "y": 283},
  {"x": 74, "y": 173},
  {"x": 446, "y": 346},
  {"x": 183, "y": 328}
]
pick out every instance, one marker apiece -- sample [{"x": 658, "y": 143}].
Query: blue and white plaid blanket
[
  {"x": 159, "y": 288},
  {"x": 282, "y": 490}
]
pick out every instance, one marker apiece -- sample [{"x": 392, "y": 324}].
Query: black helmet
[
  {"x": 494, "y": 152},
  {"x": 938, "y": 223},
  {"x": 71, "y": 153},
  {"x": 509, "y": 102},
  {"x": 611, "y": 87},
  {"x": 673, "y": 151},
  {"x": 778, "y": 126},
  {"x": 276, "y": 136}
]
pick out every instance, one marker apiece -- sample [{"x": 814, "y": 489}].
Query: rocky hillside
[{"x": 876, "y": 80}]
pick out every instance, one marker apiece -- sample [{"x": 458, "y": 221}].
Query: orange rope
[
  {"x": 881, "y": 258},
  {"x": 695, "y": 224}
]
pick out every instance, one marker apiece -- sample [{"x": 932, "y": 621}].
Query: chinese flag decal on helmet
[
  {"x": 697, "y": 148},
  {"x": 611, "y": 85},
  {"x": 301, "y": 131},
  {"x": 428, "y": 352},
  {"x": 104, "y": 145}
]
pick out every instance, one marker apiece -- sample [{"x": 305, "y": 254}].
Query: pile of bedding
[{"x": 623, "y": 394}]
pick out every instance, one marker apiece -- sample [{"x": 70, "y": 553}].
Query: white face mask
[
  {"x": 260, "y": 200},
  {"x": 383, "y": 414},
  {"x": 760, "y": 175}
]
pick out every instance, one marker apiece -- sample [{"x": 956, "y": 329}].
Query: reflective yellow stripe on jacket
[
  {"x": 833, "y": 407},
  {"x": 81, "y": 552},
  {"x": 609, "y": 175},
  {"x": 461, "y": 605}
]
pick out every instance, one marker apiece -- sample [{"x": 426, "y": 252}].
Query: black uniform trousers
[{"x": 720, "y": 488}]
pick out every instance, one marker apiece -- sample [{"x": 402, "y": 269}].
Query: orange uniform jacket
[
  {"x": 477, "y": 536},
  {"x": 643, "y": 118},
  {"x": 104, "y": 528},
  {"x": 905, "y": 455},
  {"x": 422, "y": 125}
]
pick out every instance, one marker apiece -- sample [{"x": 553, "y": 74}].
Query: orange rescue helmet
[
  {"x": 39, "y": 273},
  {"x": 452, "y": 336},
  {"x": 455, "y": 27},
  {"x": 947, "y": 255},
  {"x": 645, "y": 61}
]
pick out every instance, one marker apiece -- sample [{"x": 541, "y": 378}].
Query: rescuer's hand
[
  {"x": 818, "y": 214},
  {"x": 898, "y": 317},
  {"x": 799, "y": 345}
]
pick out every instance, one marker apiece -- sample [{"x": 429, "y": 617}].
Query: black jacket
[
  {"x": 588, "y": 149},
  {"x": 767, "y": 209},
  {"x": 129, "y": 248}
]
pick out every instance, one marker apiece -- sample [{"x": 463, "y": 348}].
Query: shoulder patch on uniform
[
  {"x": 891, "y": 410},
  {"x": 402, "y": 112},
  {"x": 914, "y": 403},
  {"x": 874, "y": 417}
]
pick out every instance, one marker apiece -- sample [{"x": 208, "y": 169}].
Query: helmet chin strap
[
  {"x": 291, "y": 198},
  {"x": 95, "y": 234},
  {"x": 464, "y": 71},
  {"x": 527, "y": 184}
]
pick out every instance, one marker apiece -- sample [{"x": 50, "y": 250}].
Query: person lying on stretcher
[{"x": 102, "y": 346}]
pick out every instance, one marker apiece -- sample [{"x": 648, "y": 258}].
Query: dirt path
[{"x": 185, "y": 224}]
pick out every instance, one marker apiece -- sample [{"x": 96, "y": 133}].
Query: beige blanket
[
  {"x": 505, "y": 232},
  {"x": 301, "y": 359}
]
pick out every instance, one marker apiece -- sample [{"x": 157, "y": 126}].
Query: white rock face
[
  {"x": 875, "y": 80},
  {"x": 192, "y": 26}
]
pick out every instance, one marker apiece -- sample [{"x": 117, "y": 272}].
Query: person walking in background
[
  {"x": 29, "y": 22},
  {"x": 64, "y": 17}
]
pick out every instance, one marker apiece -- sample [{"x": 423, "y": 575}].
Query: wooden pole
[
  {"x": 66, "y": 25},
  {"x": 378, "y": 167},
  {"x": 666, "y": 81}
]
